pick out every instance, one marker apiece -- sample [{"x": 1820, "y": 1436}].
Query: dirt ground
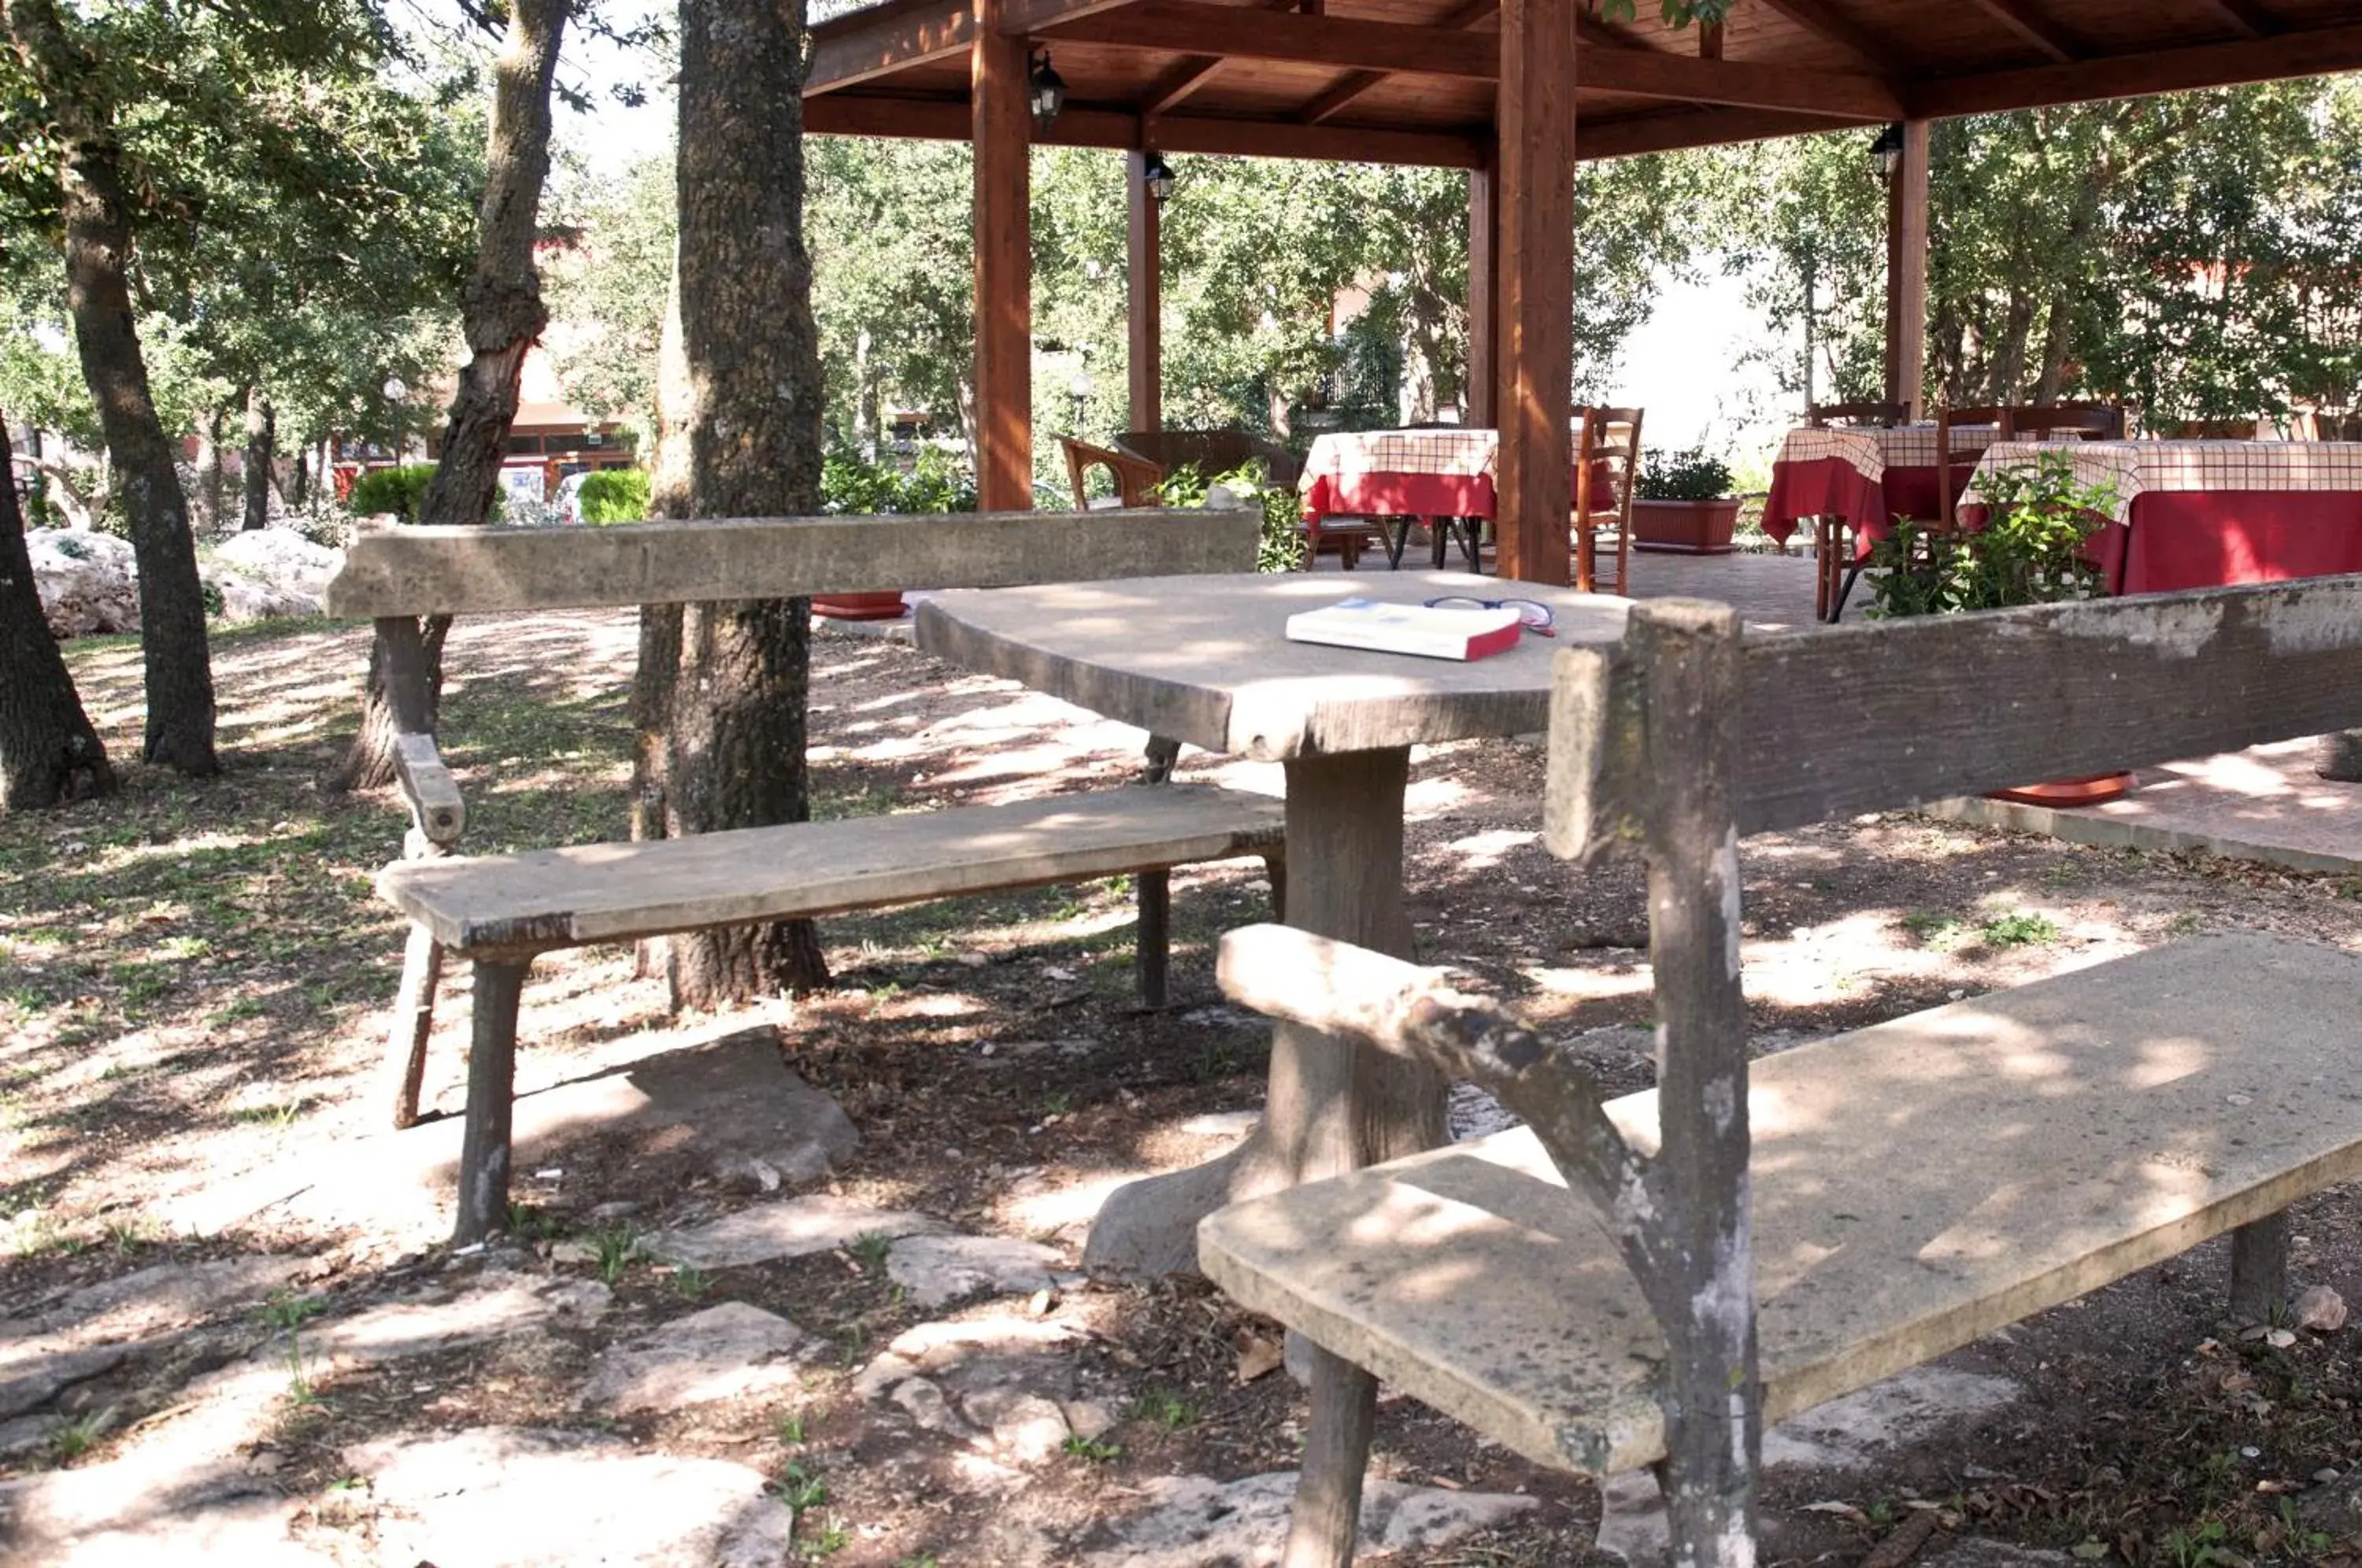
[{"x": 194, "y": 986}]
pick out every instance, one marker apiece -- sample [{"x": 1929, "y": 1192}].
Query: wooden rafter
[
  {"x": 1170, "y": 91},
  {"x": 1193, "y": 27},
  {"x": 2315, "y": 52},
  {"x": 1818, "y": 17},
  {"x": 895, "y": 37},
  {"x": 1355, "y": 83},
  {"x": 947, "y": 119},
  {"x": 2243, "y": 15},
  {"x": 2021, "y": 18},
  {"x": 1668, "y": 130}
]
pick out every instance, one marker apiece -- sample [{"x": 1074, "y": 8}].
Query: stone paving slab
[{"x": 2264, "y": 804}]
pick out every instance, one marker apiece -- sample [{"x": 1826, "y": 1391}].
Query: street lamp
[
  {"x": 1157, "y": 176},
  {"x": 395, "y": 391},
  {"x": 1887, "y": 151},
  {"x": 1045, "y": 92}
]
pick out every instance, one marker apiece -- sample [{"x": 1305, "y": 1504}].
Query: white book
[{"x": 1430, "y": 632}]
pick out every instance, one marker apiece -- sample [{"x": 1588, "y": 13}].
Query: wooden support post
[
  {"x": 414, "y": 1021},
  {"x": 1534, "y": 294},
  {"x": 1144, "y": 299},
  {"x": 1328, "y": 1514},
  {"x": 1482, "y": 322},
  {"x": 492, "y": 1091},
  {"x": 2259, "y": 1258},
  {"x": 1004, "y": 279},
  {"x": 1688, "y": 654},
  {"x": 1906, "y": 272}
]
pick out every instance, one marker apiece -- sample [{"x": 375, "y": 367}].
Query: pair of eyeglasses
[{"x": 1532, "y": 614}]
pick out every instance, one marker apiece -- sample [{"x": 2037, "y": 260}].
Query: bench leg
[
  {"x": 2259, "y": 1256},
  {"x": 414, "y": 1020},
  {"x": 1328, "y": 1514},
  {"x": 492, "y": 1087},
  {"x": 1151, "y": 947},
  {"x": 1275, "y": 869}
]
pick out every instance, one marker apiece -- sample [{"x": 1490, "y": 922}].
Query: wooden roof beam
[
  {"x": 2317, "y": 51},
  {"x": 892, "y": 38},
  {"x": 1818, "y": 18},
  {"x": 1170, "y": 91},
  {"x": 2243, "y": 16},
  {"x": 1193, "y": 27},
  {"x": 1670, "y": 130},
  {"x": 2020, "y": 18},
  {"x": 948, "y": 119},
  {"x": 1356, "y": 84}
]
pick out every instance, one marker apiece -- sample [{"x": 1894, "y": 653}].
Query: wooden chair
[
  {"x": 1833, "y": 537},
  {"x": 1621, "y": 1283},
  {"x": 2014, "y": 421},
  {"x": 1606, "y": 463},
  {"x": 1136, "y": 479}
]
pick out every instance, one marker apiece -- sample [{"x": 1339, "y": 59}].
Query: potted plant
[
  {"x": 1683, "y": 504},
  {"x": 2030, "y": 548}
]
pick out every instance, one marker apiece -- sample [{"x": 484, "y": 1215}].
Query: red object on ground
[
  {"x": 860, "y": 606},
  {"x": 2090, "y": 790}
]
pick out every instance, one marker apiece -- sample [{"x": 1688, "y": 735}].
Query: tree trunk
[
  {"x": 209, "y": 471},
  {"x": 261, "y": 444},
  {"x": 750, "y": 421},
  {"x": 180, "y": 686},
  {"x": 502, "y": 315},
  {"x": 48, "y": 753},
  {"x": 2058, "y": 335}
]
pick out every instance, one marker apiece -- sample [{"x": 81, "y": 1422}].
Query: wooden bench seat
[
  {"x": 1916, "y": 1185},
  {"x": 550, "y": 899}
]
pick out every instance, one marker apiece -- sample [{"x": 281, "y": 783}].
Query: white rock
[
  {"x": 516, "y": 1497},
  {"x": 1850, "y": 1433},
  {"x": 441, "y": 1321},
  {"x": 934, "y": 1270},
  {"x": 1195, "y": 1523},
  {"x": 2321, "y": 1309},
  {"x": 815, "y": 1223},
  {"x": 269, "y": 573},
  {"x": 88, "y": 582},
  {"x": 719, "y": 1353}
]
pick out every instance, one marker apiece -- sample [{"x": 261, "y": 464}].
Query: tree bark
[
  {"x": 261, "y": 444},
  {"x": 179, "y": 670},
  {"x": 747, "y": 426},
  {"x": 502, "y": 311},
  {"x": 209, "y": 469},
  {"x": 48, "y": 753}
]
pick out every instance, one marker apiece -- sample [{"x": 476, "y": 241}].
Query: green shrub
[
  {"x": 850, "y": 484},
  {"x": 400, "y": 489},
  {"x": 1685, "y": 475},
  {"x": 1281, "y": 545},
  {"x": 615, "y": 495},
  {"x": 2030, "y": 550}
]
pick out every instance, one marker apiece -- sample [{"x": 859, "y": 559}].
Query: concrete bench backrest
[{"x": 394, "y": 571}]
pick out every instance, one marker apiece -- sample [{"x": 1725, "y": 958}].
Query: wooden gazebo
[{"x": 1513, "y": 91}]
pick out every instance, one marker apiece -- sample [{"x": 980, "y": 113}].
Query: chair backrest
[
  {"x": 1877, "y": 416},
  {"x": 2208, "y": 430},
  {"x": 2049, "y": 421},
  {"x": 1606, "y": 467},
  {"x": 1135, "y": 478},
  {"x": 403, "y": 571},
  {"x": 1212, "y": 452}
]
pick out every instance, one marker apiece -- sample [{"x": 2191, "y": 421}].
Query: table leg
[{"x": 1334, "y": 1104}]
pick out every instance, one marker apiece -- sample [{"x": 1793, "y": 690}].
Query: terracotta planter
[
  {"x": 2091, "y": 790},
  {"x": 1685, "y": 527},
  {"x": 860, "y": 606}
]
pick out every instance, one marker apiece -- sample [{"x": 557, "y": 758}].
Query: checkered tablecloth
[
  {"x": 1872, "y": 451},
  {"x": 1351, "y": 454},
  {"x": 2135, "y": 468}
]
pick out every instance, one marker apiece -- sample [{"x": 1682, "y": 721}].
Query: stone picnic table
[{"x": 1205, "y": 661}]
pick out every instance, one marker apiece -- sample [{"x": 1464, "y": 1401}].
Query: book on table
[{"x": 1427, "y": 631}]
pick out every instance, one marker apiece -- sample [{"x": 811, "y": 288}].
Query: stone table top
[{"x": 1205, "y": 660}]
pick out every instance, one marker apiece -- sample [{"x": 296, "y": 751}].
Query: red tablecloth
[
  {"x": 1397, "y": 496},
  {"x": 1831, "y": 487}
]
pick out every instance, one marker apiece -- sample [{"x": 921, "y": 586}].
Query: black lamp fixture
[
  {"x": 1046, "y": 90},
  {"x": 1157, "y": 176},
  {"x": 1887, "y": 151}
]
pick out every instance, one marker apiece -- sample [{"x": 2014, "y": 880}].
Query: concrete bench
[
  {"x": 498, "y": 912},
  {"x": 1646, "y": 1281}
]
